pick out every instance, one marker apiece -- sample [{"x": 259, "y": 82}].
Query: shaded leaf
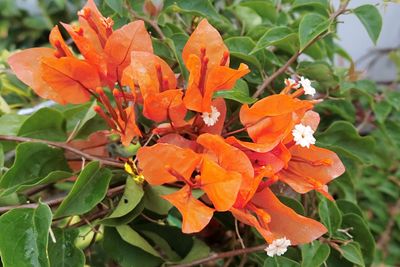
[
  {"x": 135, "y": 239},
  {"x": 352, "y": 253},
  {"x": 280, "y": 262},
  {"x": 89, "y": 189},
  {"x": 311, "y": 26},
  {"x": 64, "y": 253},
  {"x": 24, "y": 236},
  {"x": 330, "y": 215},
  {"x": 371, "y": 19}
]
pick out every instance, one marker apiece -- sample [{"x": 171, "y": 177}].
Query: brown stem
[
  {"x": 65, "y": 146},
  {"x": 282, "y": 69},
  {"x": 222, "y": 255}
]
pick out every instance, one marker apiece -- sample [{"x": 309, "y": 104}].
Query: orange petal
[
  {"x": 57, "y": 41},
  {"x": 155, "y": 161},
  {"x": 285, "y": 222},
  {"x": 273, "y": 105},
  {"x": 178, "y": 140},
  {"x": 26, "y": 65},
  {"x": 121, "y": 43},
  {"x": 193, "y": 98},
  {"x": 89, "y": 45},
  {"x": 220, "y": 185},
  {"x": 131, "y": 130},
  {"x": 205, "y": 36},
  {"x": 71, "y": 78},
  {"x": 195, "y": 215},
  {"x": 311, "y": 168},
  {"x": 165, "y": 105}
]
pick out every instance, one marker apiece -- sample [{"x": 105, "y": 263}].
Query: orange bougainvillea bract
[{"x": 188, "y": 142}]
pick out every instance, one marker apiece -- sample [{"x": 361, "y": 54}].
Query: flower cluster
[{"x": 194, "y": 150}]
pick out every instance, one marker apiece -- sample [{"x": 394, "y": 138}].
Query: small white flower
[
  {"x": 292, "y": 82},
  {"x": 303, "y": 135},
  {"x": 306, "y": 84},
  {"x": 211, "y": 118},
  {"x": 278, "y": 247}
]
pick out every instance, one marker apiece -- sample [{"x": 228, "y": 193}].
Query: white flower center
[
  {"x": 278, "y": 247},
  {"x": 303, "y": 135},
  {"x": 211, "y": 118},
  {"x": 306, "y": 84}
]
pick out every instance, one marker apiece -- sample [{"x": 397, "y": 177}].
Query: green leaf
[
  {"x": 89, "y": 189},
  {"x": 176, "y": 44},
  {"x": 48, "y": 124},
  {"x": 125, "y": 254},
  {"x": 24, "y": 237},
  {"x": 265, "y": 9},
  {"x": 330, "y": 215},
  {"x": 64, "y": 252},
  {"x": 293, "y": 204},
  {"x": 311, "y": 26},
  {"x": 153, "y": 200},
  {"x": 135, "y": 239},
  {"x": 382, "y": 110},
  {"x": 240, "y": 47},
  {"x": 371, "y": 19},
  {"x": 347, "y": 207},
  {"x": 314, "y": 254},
  {"x": 280, "y": 262},
  {"x": 247, "y": 16},
  {"x": 198, "y": 251},
  {"x": 361, "y": 234},
  {"x": 319, "y": 3},
  {"x": 130, "y": 199},
  {"x": 352, "y": 253},
  {"x": 319, "y": 71},
  {"x": 1, "y": 158},
  {"x": 80, "y": 122},
  {"x": 10, "y": 123},
  {"x": 393, "y": 97},
  {"x": 116, "y": 5},
  {"x": 343, "y": 108},
  {"x": 281, "y": 37},
  {"x": 239, "y": 93},
  {"x": 34, "y": 164},
  {"x": 343, "y": 138}
]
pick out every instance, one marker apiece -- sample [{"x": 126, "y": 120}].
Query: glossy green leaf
[
  {"x": 89, "y": 189},
  {"x": 63, "y": 252},
  {"x": 24, "y": 236},
  {"x": 342, "y": 137},
  {"x": 320, "y": 72},
  {"x": 265, "y": 9},
  {"x": 240, "y": 47},
  {"x": 371, "y": 19},
  {"x": 361, "y": 234},
  {"x": 130, "y": 199},
  {"x": 319, "y": 3},
  {"x": 153, "y": 200},
  {"x": 135, "y": 239},
  {"x": 280, "y": 262},
  {"x": 125, "y": 254},
  {"x": 314, "y": 254},
  {"x": 330, "y": 215},
  {"x": 247, "y": 16},
  {"x": 10, "y": 123},
  {"x": 239, "y": 93},
  {"x": 46, "y": 123},
  {"x": 281, "y": 37},
  {"x": 346, "y": 207},
  {"x": 311, "y": 26},
  {"x": 34, "y": 164},
  {"x": 352, "y": 253}
]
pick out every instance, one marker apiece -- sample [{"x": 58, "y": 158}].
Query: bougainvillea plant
[{"x": 197, "y": 153}]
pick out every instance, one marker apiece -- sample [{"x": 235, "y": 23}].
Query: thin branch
[
  {"x": 51, "y": 203},
  {"x": 65, "y": 146},
  {"x": 222, "y": 255},
  {"x": 282, "y": 69}
]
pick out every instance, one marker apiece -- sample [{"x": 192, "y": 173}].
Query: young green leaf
[
  {"x": 311, "y": 26},
  {"x": 24, "y": 236},
  {"x": 352, "y": 253},
  {"x": 314, "y": 254},
  {"x": 330, "y": 215},
  {"x": 371, "y": 19},
  {"x": 89, "y": 189}
]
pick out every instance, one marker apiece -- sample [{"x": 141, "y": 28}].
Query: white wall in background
[{"x": 355, "y": 40}]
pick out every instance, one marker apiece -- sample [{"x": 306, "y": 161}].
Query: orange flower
[
  {"x": 207, "y": 59},
  {"x": 54, "y": 73}
]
